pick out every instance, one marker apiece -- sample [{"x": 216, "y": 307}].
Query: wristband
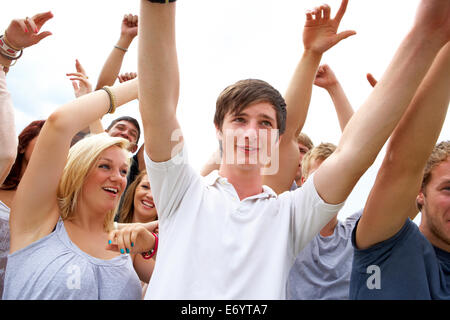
[
  {"x": 151, "y": 253},
  {"x": 4, "y": 45},
  {"x": 161, "y": 1}
]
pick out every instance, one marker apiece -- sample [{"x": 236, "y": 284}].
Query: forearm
[
  {"x": 342, "y": 106},
  {"x": 90, "y": 108},
  {"x": 8, "y": 138},
  {"x": 372, "y": 124},
  {"x": 96, "y": 127},
  {"x": 415, "y": 136},
  {"x": 113, "y": 63},
  {"x": 298, "y": 94}
]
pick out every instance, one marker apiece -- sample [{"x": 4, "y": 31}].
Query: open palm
[{"x": 320, "y": 31}]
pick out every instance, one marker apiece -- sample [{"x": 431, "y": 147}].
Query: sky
[{"x": 218, "y": 42}]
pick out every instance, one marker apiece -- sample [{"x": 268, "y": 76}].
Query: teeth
[
  {"x": 148, "y": 204},
  {"x": 111, "y": 189}
]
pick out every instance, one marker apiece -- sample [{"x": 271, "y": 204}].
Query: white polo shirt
[{"x": 214, "y": 246}]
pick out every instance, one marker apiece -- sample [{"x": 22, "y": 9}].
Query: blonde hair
[
  {"x": 81, "y": 159},
  {"x": 320, "y": 152},
  {"x": 126, "y": 211}
]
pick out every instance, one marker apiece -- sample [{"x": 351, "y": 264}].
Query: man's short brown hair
[
  {"x": 244, "y": 93},
  {"x": 305, "y": 140}
]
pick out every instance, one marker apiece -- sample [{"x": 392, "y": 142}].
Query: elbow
[{"x": 57, "y": 121}]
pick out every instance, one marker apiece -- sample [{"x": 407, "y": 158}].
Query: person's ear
[
  {"x": 303, "y": 179},
  {"x": 420, "y": 200}
]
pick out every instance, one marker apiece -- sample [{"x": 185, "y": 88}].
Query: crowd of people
[{"x": 86, "y": 214}]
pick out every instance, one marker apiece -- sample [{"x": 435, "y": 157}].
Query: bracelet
[
  {"x": 112, "y": 99},
  {"x": 7, "y": 56},
  {"x": 7, "y": 48},
  {"x": 151, "y": 253},
  {"x": 162, "y": 1},
  {"x": 120, "y": 48}
]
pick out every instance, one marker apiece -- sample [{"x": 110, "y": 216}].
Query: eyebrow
[
  {"x": 262, "y": 115},
  {"x": 109, "y": 160}
]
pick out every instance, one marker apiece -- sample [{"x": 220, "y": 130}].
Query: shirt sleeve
[
  {"x": 170, "y": 180},
  {"x": 309, "y": 214}
]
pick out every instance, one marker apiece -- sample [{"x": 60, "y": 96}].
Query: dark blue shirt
[{"x": 406, "y": 266}]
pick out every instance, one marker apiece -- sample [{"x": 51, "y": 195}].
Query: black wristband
[{"x": 161, "y": 1}]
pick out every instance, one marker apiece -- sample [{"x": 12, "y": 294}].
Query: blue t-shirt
[{"x": 406, "y": 266}]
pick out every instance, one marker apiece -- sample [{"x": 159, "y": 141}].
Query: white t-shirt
[{"x": 214, "y": 246}]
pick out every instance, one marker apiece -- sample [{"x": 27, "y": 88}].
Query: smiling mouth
[
  {"x": 111, "y": 190},
  {"x": 247, "y": 148},
  {"x": 148, "y": 204}
]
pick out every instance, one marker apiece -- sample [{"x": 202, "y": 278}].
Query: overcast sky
[{"x": 219, "y": 42}]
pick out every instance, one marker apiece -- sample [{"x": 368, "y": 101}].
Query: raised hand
[
  {"x": 325, "y": 77},
  {"x": 129, "y": 26},
  {"x": 127, "y": 76},
  {"x": 80, "y": 82},
  {"x": 320, "y": 31},
  {"x": 23, "y": 33}
]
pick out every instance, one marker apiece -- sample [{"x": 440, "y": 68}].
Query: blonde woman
[{"x": 63, "y": 210}]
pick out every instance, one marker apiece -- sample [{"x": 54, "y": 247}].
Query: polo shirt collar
[{"x": 214, "y": 178}]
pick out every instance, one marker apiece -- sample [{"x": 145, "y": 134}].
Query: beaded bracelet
[
  {"x": 151, "y": 253},
  {"x": 7, "y": 51}
]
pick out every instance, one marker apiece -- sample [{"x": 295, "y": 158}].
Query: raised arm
[
  {"x": 326, "y": 79},
  {"x": 81, "y": 86},
  {"x": 392, "y": 198},
  {"x": 37, "y": 192},
  {"x": 158, "y": 78},
  {"x": 113, "y": 63},
  {"x": 20, "y": 34},
  {"x": 374, "y": 121},
  {"x": 8, "y": 137},
  {"x": 319, "y": 35}
]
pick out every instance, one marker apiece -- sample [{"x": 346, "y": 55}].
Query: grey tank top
[{"x": 55, "y": 268}]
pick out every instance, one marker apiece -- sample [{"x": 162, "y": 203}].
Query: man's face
[
  {"x": 436, "y": 206},
  {"x": 248, "y": 137},
  {"x": 127, "y": 130},
  {"x": 303, "y": 150}
]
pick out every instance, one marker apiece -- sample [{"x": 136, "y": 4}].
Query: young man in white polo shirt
[{"x": 228, "y": 236}]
